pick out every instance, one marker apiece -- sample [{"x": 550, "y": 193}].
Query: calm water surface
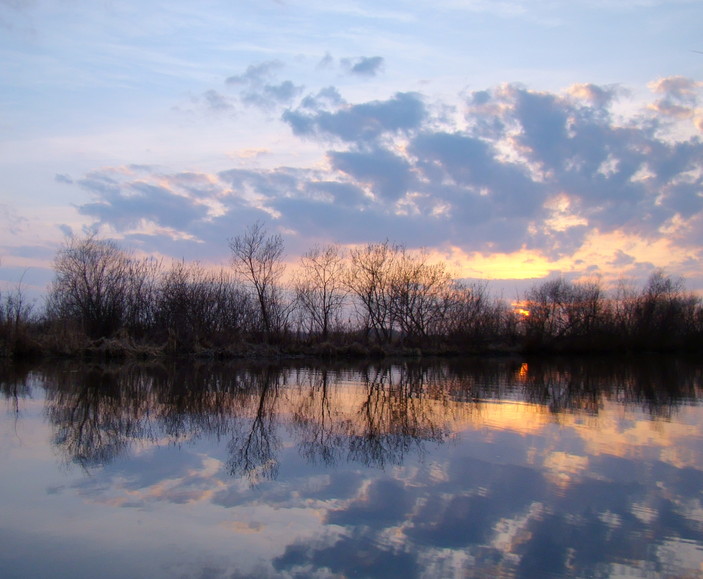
[{"x": 505, "y": 468}]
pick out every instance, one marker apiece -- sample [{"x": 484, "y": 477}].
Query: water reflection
[{"x": 509, "y": 468}]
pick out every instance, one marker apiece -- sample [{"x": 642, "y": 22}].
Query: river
[{"x": 503, "y": 467}]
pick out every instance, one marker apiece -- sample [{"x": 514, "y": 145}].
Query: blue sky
[{"x": 512, "y": 139}]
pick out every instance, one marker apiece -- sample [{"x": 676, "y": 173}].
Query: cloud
[
  {"x": 325, "y": 98},
  {"x": 270, "y": 95},
  {"x": 386, "y": 174},
  {"x": 680, "y": 97},
  {"x": 125, "y": 205},
  {"x": 216, "y": 102},
  {"x": 363, "y": 65},
  {"x": 525, "y": 171},
  {"x": 361, "y": 123},
  {"x": 258, "y": 86},
  {"x": 383, "y": 503},
  {"x": 12, "y": 221},
  {"x": 349, "y": 556},
  {"x": 256, "y": 74},
  {"x": 160, "y": 475},
  {"x": 61, "y": 178},
  {"x": 326, "y": 61}
]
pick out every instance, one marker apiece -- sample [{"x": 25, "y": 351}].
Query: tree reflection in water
[
  {"x": 372, "y": 415},
  {"x": 572, "y": 499}
]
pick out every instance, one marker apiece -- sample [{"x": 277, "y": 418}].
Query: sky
[{"x": 513, "y": 140}]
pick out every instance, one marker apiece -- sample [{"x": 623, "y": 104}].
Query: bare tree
[
  {"x": 258, "y": 258},
  {"x": 665, "y": 313},
  {"x": 319, "y": 286},
  {"x": 473, "y": 315},
  {"x": 15, "y": 317},
  {"x": 560, "y": 309},
  {"x": 370, "y": 280},
  {"x": 199, "y": 306},
  {"x": 91, "y": 284},
  {"x": 419, "y": 293}
]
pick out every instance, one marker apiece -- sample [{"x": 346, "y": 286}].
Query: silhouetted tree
[
  {"x": 563, "y": 311},
  {"x": 91, "y": 284},
  {"x": 370, "y": 280},
  {"x": 419, "y": 295},
  {"x": 258, "y": 258},
  {"x": 319, "y": 286}
]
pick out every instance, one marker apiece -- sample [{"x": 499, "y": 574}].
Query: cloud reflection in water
[{"x": 408, "y": 470}]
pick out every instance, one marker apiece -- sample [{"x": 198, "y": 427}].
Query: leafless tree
[
  {"x": 198, "y": 306},
  {"x": 369, "y": 279},
  {"x": 16, "y": 313},
  {"x": 474, "y": 316},
  {"x": 664, "y": 313},
  {"x": 560, "y": 310},
  {"x": 258, "y": 258},
  {"x": 91, "y": 284},
  {"x": 320, "y": 288},
  {"x": 419, "y": 291}
]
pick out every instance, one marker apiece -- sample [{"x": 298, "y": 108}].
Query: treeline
[{"x": 373, "y": 300}]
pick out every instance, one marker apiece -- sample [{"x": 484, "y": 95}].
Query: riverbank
[{"x": 126, "y": 348}]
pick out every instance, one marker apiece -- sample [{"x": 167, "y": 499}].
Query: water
[{"x": 503, "y": 468}]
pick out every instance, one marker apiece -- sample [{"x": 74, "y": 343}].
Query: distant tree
[
  {"x": 320, "y": 288},
  {"x": 664, "y": 313},
  {"x": 16, "y": 314},
  {"x": 196, "y": 305},
  {"x": 562, "y": 311},
  {"x": 92, "y": 281},
  {"x": 474, "y": 316},
  {"x": 258, "y": 258},
  {"x": 369, "y": 279},
  {"x": 419, "y": 295},
  {"x": 141, "y": 297}
]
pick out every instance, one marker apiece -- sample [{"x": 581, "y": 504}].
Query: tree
[
  {"x": 419, "y": 292},
  {"x": 91, "y": 284},
  {"x": 320, "y": 290},
  {"x": 258, "y": 258},
  {"x": 664, "y": 313},
  {"x": 474, "y": 316},
  {"x": 369, "y": 278},
  {"x": 561, "y": 310},
  {"x": 199, "y": 306},
  {"x": 15, "y": 317}
]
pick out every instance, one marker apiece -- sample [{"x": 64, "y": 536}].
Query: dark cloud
[
  {"x": 361, "y": 123},
  {"x": 385, "y": 503},
  {"x": 617, "y": 175},
  {"x": 473, "y": 165},
  {"x": 355, "y": 556},
  {"x": 181, "y": 203},
  {"x": 126, "y": 205},
  {"x": 347, "y": 195},
  {"x": 66, "y": 230},
  {"x": 387, "y": 174},
  {"x": 268, "y": 96},
  {"x": 363, "y": 65},
  {"x": 326, "y": 97},
  {"x": 267, "y": 184}
]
